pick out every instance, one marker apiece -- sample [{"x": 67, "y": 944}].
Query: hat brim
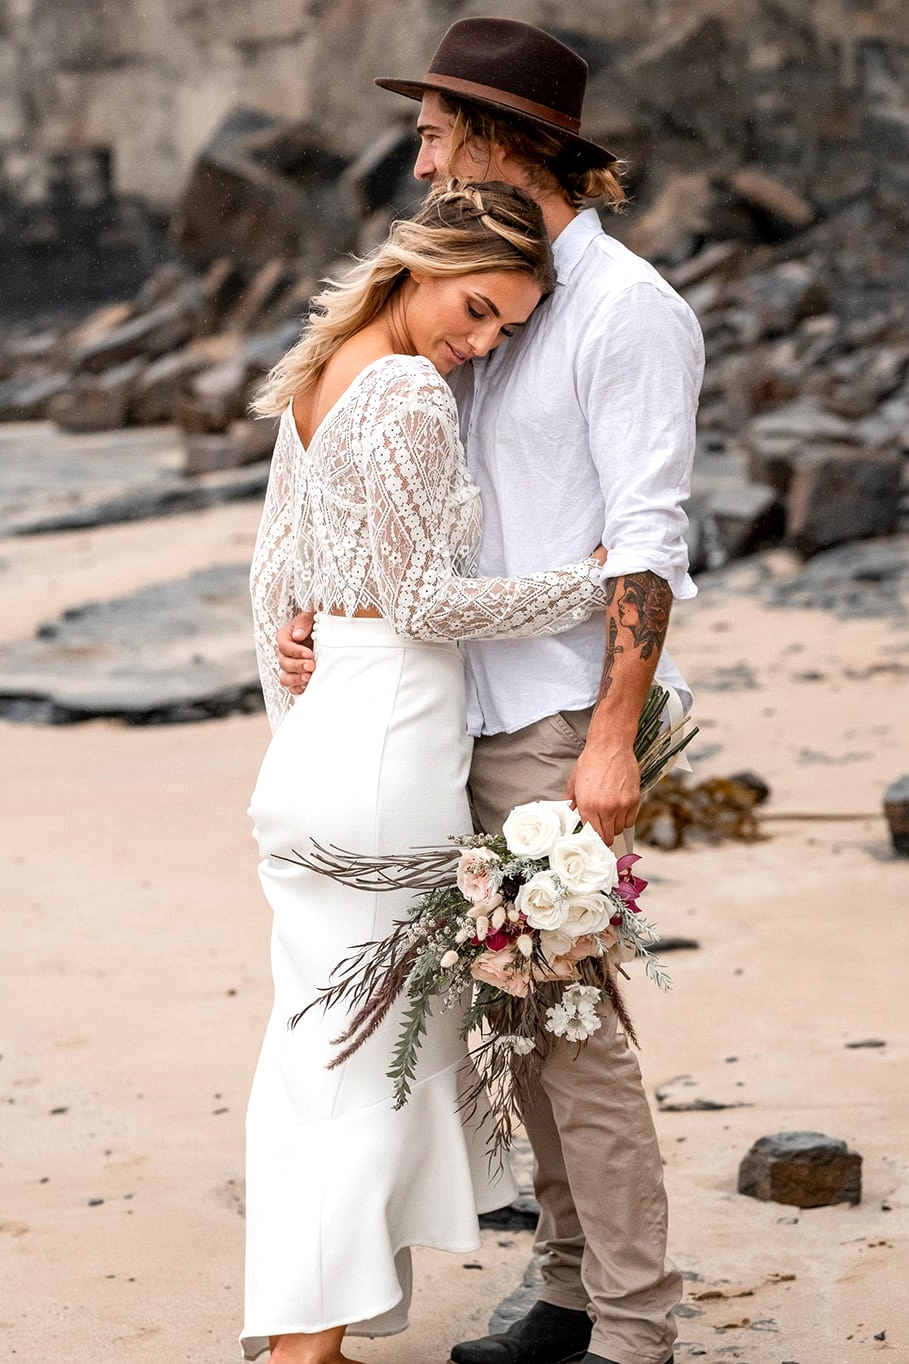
[{"x": 416, "y": 90}]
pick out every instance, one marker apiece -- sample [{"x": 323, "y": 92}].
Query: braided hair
[{"x": 459, "y": 229}]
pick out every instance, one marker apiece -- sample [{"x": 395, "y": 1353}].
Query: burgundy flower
[
  {"x": 629, "y": 886},
  {"x": 495, "y": 941}
]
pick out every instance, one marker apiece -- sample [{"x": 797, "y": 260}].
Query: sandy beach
[{"x": 135, "y": 990}]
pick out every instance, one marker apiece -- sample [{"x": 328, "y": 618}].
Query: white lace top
[{"x": 380, "y": 512}]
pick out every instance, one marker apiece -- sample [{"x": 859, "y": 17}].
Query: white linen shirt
[{"x": 580, "y": 430}]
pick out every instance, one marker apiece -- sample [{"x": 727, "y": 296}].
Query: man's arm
[
  {"x": 638, "y": 376},
  {"x": 605, "y": 784}
]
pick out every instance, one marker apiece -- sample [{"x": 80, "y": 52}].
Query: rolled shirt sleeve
[{"x": 639, "y": 372}]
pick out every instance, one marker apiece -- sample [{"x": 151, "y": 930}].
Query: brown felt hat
[{"x": 514, "y": 68}]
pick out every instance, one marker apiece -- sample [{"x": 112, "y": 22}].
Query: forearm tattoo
[
  {"x": 642, "y": 610},
  {"x": 612, "y": 648}
]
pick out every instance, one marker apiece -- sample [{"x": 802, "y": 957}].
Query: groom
[{"x": 580, "y": 430}]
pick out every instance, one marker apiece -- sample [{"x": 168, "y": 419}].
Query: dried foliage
[{"x": 675, "y": 813}]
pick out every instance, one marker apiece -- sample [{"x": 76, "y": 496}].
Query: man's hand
[
  {"x": 295, "y": 654},
  {"x": 605, "y": 788},
  {"x": 605, "y": 785}
]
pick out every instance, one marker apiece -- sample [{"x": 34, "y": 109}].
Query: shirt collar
[{"x": 571, "y": 243}]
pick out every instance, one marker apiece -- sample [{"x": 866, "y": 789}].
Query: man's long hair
[{"x": 548, "y": 160}]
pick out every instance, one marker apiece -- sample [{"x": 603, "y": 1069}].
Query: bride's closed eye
[{"x": 479, "y": 317}]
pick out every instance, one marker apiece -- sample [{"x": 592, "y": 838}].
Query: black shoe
[
  {"x": 599, "y": 1359},
  {"x": 547, "y": 1335}
]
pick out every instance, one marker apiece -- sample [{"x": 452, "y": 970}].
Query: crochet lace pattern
[{"x": 379, "y": 511}]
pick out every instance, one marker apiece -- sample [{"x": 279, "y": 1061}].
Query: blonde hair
[
  {"x": 548, "y": 161},
  {"x": 459, "y": 229}
]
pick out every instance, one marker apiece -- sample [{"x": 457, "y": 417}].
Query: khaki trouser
[{"x": 598, "y": 1175}]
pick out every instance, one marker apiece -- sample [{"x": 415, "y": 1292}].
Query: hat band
[{"x": 472, "y": 90}]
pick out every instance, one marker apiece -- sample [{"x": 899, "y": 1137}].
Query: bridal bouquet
[{"x": 524, "y": 932}]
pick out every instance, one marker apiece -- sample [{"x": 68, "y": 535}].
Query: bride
[{"x": 371, "y": 521}]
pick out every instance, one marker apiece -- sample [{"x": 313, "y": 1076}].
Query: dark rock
[
  {"x": 163, "y": 284},
  {"x": 746, "y": 517},
  {"x": 382, "y": 174},
  {"x": 68, "y": 239},
  {"x": 171, "y": 653},
  {"x": 867, "y": 578},
  {"x": 267, "y": 284},
  {"x": 676, "y": 224},
  {"x": 520, "y": 1300},
  {"x": 24, "y": 399},
  {"x": 839, "y": 494},
  {"x": 165, "y": 498},
  {"x": 213, "y": 398},
  {"x": 806, "y": 1169},
  {"x": 254, "y": 439},
  {"x": 753, "y": 783},
  {"x": 857, "y": 384},
  {"x": 773, "y": 465},
  {"x": 796, "y": 425},
  {"x": 244, "y": 442},
  {"x": 161, "y": 383},
  {"x": 152, "y": 333},
  {"x": 782, "y": 297},
  {"x": 263, "y": 188},
  {"x": 512, "y": 1217},
  {"x": 204, "y": 452},
  {"x": 711, "y": 259},
  {"x": 772, "y": 197},
  {"x": 678, "y": 945},
  {"x": 706, "y": 103},
  {"x": 97, "y": 402},
  {"x": 51, "y": 480},
  {"x": 674, "y": 1096},
  {"x": 896, "y": 809},
  {"x": 220, "y": 287}
]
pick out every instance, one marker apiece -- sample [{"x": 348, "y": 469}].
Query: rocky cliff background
[
  {"x": 818, "y": 86},
  {"x": 814, "y": 90},
  {"x": 176, "y": 175}
]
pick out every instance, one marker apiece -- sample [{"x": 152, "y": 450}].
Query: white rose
[
  {"x": 568, "y": 815},
  {"x": 587, "y": 914},
  {"x": 542, "y": 901},
  {"x": 584, "y": 862},
  {"x": 531, "y": 830},
  {"x": 555, "y": 942}
]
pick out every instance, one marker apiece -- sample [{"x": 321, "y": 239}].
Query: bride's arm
[
  {"x": 412, "y": 448},
  {"x": 274, "y": 577}
]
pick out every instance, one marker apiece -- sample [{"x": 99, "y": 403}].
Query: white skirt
[{"x": 372, "y": 758}]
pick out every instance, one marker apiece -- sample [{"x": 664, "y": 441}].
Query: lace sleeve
[
  {"x": 412, "y": 450},
  {"x": 275, "y": 595}
]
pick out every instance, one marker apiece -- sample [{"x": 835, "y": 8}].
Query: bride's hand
[
  {"x": 296, "y": 660},
  {"x": 601, "y": 554}
]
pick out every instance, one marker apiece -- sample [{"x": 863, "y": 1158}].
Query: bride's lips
[{"x": 459, "y": 359}]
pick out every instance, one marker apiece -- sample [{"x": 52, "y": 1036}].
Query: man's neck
[{"x": 557, "y": 214}]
